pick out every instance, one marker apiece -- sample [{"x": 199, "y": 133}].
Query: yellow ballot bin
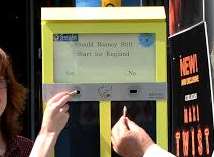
[
  {"x": 111, "y": 3},
  {"x": 113, "y": 56}
]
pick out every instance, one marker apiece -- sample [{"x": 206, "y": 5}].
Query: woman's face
[{"x": 3, "y": 95}]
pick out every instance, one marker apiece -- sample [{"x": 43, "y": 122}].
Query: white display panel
[{"x": 104, "y": 58}]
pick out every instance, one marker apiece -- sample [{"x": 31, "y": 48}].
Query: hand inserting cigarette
[{"x": 71, "y": 93}]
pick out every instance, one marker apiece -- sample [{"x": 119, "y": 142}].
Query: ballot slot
[
  {"x": 142, "y": 113},
  {"x": 78, "y": 90},
  {"x": 133, "y": 91},
  {"x": 82, "y": 131}
]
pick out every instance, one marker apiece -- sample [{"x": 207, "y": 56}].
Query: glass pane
[
  {"x": 104, "y": 58},
  {"x": 81, "y": 136}
]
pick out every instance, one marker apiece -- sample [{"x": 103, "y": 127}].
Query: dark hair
[{"x": 16, "y": 95}]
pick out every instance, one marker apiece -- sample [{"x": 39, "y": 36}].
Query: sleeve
[
  {"x": 25, "y": 145},
  {"x": 154, "y": 151}
]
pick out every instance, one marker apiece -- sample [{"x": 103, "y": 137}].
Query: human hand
[
  {"x": 56, "y": 113},
  {"x": 128, "y": 139},
  {"x": 55, "y": 118}
]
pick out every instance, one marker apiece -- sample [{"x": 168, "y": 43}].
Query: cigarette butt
[
  {"x": 72, "y": 92},
  {"x": 124, "y": 111}
]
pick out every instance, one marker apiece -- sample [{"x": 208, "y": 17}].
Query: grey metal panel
[{"x": 109, "y": 91}]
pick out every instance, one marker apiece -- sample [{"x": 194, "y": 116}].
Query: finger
[
  {"x": 57, "y": 96},
  {"x": 114, "y": 130},
  {"x": 123, "y": 123},
  {"x": 115, "y": 148},
  {"x": 132, "y": 125},
  {"x": 64, "y": 109},
  {"x": 74, "y": 92},
  {"x": 126, "y": 123},
  {"x": 62, "y": 101},
  {"x": 114, "y": 144},
  {"x": 119, "y": 129},
  {"x": 66, "y": 116},
  {"x": 66, "y": 106},
  {"x": 113, "y": 140}
]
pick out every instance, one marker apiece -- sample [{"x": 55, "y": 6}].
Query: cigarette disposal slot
[{"x": 133, "y": 91}]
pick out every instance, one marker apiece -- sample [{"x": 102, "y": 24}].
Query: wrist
[
  {"x": 44, "y": 143},
  {"x": 146, "y": 144},
  {"x": 44, "y": 132}
]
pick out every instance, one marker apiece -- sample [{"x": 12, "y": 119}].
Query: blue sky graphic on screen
[
  {"x": 146, "y": 39},
  {"x": 88, "y": 3}
]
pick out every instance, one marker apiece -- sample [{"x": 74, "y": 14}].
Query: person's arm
[
  {"x": 44, "y": 145},
  {"x": 154, "y": 149},
  {"x": 55, "y": 118},
  {"x": 128, "y": 139}
]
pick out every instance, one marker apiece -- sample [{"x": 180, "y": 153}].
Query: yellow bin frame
[{"x": 109, "y": 20}]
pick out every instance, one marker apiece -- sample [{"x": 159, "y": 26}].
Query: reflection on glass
[
  {"x": 142, "y": 113},
  {"x": 81, "y": 136}
]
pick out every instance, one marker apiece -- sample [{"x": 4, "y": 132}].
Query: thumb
[
  {"x": 123, "y": 123},
  {"x": 132, "y": 125}
]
